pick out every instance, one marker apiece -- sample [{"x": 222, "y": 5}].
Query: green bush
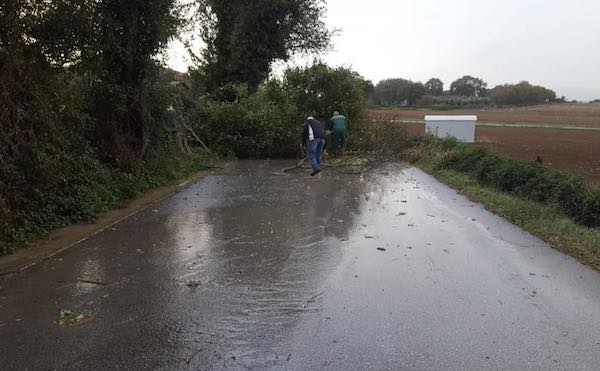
[
  {"x": 522, "y": 178},
  {"x": 57, "y": 177},
  {"x": 269, "y": 123},
  {"x": 319, "y": 90},
  {"x": 80, "y": 187},
  {"x": 589, "y": 213},
  {"x": 264, "y": 124}
]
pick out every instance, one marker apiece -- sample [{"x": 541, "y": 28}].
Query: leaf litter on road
[{"x": 68, "y": 318}]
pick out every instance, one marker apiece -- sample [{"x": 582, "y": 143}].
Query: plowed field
[{"x": 572, "y": 150}]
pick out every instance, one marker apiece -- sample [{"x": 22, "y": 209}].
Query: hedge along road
[{"x": 259, "y": 269}]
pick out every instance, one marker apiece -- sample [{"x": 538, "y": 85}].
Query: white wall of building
[{"x": 459, "y": 127}]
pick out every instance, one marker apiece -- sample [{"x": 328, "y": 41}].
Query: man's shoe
[{"x": 315, "y": 172}]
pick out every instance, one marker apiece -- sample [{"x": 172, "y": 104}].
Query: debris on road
[
  {"x": 381, "y": 249},
  {"x": 312, "y": 299},
  {"x": 67, "y": 317},
  {"x": 92, "y": 282},
  {"x": 193, "y": 284}
]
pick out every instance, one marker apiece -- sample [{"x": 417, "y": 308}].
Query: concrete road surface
[{"x": 264, "y": 270}]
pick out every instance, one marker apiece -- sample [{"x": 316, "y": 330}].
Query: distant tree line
[
  {"x": 522, "y": 93},
  {"x": 465, "y": 91},
  {"x": 391, "y": 92}
]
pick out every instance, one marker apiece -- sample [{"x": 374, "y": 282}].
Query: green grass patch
[{"x": 545, "y": 221}]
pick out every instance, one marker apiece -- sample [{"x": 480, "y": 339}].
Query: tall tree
[
  {"x": 434, "y": 87},
  {"x": 30, "y": 64},
  {"x": 319, "y": 90},
  {"x": 245, "y": 37},
  {"x": 468, "y": 86},
  {"x": 126, "y": 38},
  {"x": 34, "y": 126}
]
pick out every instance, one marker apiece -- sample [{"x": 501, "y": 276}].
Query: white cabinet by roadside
[{"x": 460, "y": 127}]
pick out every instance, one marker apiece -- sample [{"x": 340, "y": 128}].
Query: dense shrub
[
  {"x": 75, "y": 187},
  {"x": 523, "y": 178},
  {"x": 269, "y": 122},
  {"x": 380, "y": 137},
  {"x": 319, "y": 90},
  {"x": 589, "y": 212},
  {"x": 55, "y": 175},
  {"x": 263, "y": 124}
]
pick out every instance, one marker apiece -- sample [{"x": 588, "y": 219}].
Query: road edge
[
  {"x": 567, "y": 244},
  {"x": 64, "y": 238}
]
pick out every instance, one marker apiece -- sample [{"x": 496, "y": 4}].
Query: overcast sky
[{"x": 555, "y": 43}]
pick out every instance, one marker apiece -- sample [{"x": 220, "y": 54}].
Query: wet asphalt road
[{"x": 257, "y": 269}]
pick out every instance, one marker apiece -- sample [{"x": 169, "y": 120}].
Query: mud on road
[{"x": 260, "y": 269}]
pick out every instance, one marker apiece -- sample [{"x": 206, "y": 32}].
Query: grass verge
[
  {"x": 87, "y": 190},
  {"x": 545, "y": 221}
]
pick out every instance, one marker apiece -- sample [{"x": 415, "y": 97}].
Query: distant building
[{"x": 179, "y": 79}]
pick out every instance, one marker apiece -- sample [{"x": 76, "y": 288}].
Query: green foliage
[
  {"x": 74, "y": 76},
  {"x": 88, "y": 118},
  {"x": 522, "y": 178},
  {"x": 468, "y": 86},
  {"x": 244, "y": 38},
  {"x": 125, "y": 38},
  {"x": 263, "y": 124},
  {"x": 319, "y": 90},
  {"x": 75, "y": 188},
  {"x": 590, "y": 208},
  {"x": 522, "y": 93},
  {"x": 447, "y": 102},
  {"x": 268, "y": 122},
  {"x": 395, "y": 92},
  {"x": 434, "y": 87}
]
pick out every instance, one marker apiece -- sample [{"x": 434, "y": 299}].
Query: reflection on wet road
[{"x": 259, "y": 269}]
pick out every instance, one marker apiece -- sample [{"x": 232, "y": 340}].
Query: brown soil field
[
  {"x": 587, "y": 115},
  {"x": 574, "y": 151}
]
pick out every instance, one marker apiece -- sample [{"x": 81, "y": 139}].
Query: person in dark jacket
[{"x": 313, "y": 138}]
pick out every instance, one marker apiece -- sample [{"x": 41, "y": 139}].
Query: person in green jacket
[{"x": 339, "y": 126}]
